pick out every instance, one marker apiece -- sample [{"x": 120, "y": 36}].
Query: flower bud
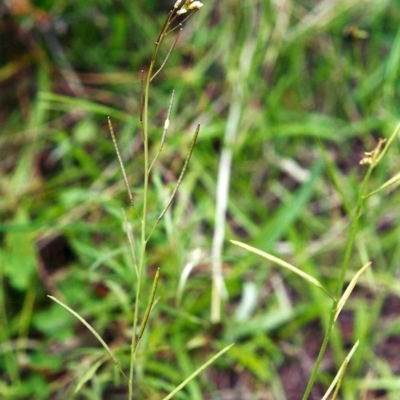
[{"x": 195, "y": 5}]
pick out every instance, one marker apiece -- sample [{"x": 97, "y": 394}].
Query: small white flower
[
  {"x": 190, "y": 5},
  {"x": 195, "y": 5}
]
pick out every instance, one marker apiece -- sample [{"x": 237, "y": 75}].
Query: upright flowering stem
[{"x": 191, "y": 6}]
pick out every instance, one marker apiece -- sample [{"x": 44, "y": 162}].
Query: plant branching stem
[
  {"x": 143, "y": 242},
  {"x": 144, "y": 120}
]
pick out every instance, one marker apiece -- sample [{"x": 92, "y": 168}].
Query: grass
[{"x": 290, "y": 94}]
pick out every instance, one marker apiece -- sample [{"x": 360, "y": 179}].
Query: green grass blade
[
  {"x": 283, "y": 264},
  {"x": 349, "y": 289},
  {"x": 86, "y": 105},
  {"x": 91, "y": 329},
  {"x": 88, "y": 375},
  {"x": 288, "y": 213},
  {"x": 390, "y": 182},
  {"x": 340, "y": 374},
  {"x": 197, "y": 372}
]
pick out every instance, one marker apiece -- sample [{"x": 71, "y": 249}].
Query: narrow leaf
[
  {"x": 285, "y": 216},
  {"x": 283, "y": 264},
  {"x": 349, "y": 289},
  {"x": 340, "y": 374},
  {"x": 388, "y": 183},
  {"x": 88, "y": 375},
  {"x": 197, "y": 372},
  {"x": 91, "y": 329}
]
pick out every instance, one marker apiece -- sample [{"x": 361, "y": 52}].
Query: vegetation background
[{"x": 306, "y": 87}]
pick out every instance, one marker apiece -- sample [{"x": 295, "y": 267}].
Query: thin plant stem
[
  {"x": 168, "y": 55},
  {"x": 373, "y": 158},
  {"x": 166, "y": 126},
  {"x": 144, "y": 119},
  {"x": 145, "y": 127},
  {"x": 143, "y": 226},
  {"x": 339, "y": 288},
  {"x": 184, "y": 168},
  {"x": 139, "y": 258}
]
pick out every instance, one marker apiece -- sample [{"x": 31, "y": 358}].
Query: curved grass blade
[
  {"x": 86, "y": 105},
  {"x": 283, "y": 264},
  {"x": 88, "y": 375},
  {"x": 197, "y": 372},
  {"x": 349, "y": 289},
  {"x": 280, "y": 222},
  {"x": 387, "y": 184},
  {"x": 91, "y": 329},
  {"x": 339, "y": 376}
]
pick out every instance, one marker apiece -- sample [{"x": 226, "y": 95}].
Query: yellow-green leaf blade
[{"x": 283, "y": 264}]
